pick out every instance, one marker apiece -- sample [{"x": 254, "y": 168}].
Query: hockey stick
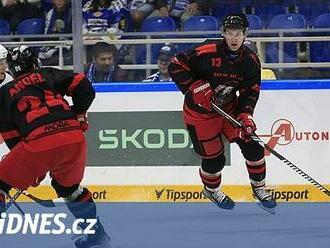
[
  {"x": 256, "y": 138},
  {"x": 12, "y": 201},
  {"x": 48, "y": 203}
]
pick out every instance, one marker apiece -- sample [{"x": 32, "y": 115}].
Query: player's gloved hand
[
  {"x": 82, "y": 118},
  {"x": 202, "y": 94},
  {"x": 249, "y": 126},
  {"x": 38, "y": 180}
]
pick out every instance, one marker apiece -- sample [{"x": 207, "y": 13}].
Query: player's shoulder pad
[
  {"x": 47, "y": 69},
  {"x": 207, "y": 47}
]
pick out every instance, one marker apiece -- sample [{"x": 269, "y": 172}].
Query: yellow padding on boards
[{"x": 184, "y": 193}]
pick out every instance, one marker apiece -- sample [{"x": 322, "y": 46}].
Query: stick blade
[{"x": 45, "y": 203}]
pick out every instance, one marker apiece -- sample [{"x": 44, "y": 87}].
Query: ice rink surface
[{"x": 197, "y": 225}]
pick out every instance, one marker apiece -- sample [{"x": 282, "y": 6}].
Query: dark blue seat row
[
  {"x": 28, "y": 26},
  {"x": 319, "y": 51},
  {"x": 167, "y": 24},
  {"x": 267, "y": 9}
]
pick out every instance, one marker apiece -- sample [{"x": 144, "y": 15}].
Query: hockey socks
[
  {"x": 256, "y": 170},
  {"x": 211, "y": 181},
  {"x": 83, "y": 206},
  {"x": 257, "y": 174}
]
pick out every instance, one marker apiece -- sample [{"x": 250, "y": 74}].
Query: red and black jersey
[
  {"x": 211, "y": 61},
  {"x": 34, "y": 103}
]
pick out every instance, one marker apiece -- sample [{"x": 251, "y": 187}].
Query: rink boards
[
  {"x": 186, "y": 193},
  {"x": 140, "y": 151}
]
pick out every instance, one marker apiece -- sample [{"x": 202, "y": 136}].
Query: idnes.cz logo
[{"x": 44, "y": 223}]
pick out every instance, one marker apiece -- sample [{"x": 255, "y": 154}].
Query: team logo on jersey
[{"x": 283, "y": 132}]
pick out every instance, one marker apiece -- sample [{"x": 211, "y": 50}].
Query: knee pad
[
  {"x": 69, "y": 193},
  {"x": 214, "y": 165},
  {"x": 251, "y": 151}
]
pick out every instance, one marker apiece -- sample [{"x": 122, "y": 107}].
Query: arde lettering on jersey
[{"x": 33, "y": 78}]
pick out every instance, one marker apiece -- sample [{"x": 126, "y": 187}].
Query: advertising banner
[
  {"x": 156, "y": 138},
  {"x": 185, "y": 193}
]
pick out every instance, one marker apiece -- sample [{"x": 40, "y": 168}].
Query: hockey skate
[
  {"x": 98, "y": 240},
  {"x": 264, "y": 198},
  {"x": 219, "y": 198}
]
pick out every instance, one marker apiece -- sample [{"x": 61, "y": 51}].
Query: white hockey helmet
[{"x": 3, "y": 52}]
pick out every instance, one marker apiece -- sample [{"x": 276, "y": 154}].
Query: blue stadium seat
[
  {"x": 267, "y": 9},
  {"x": 201, "y": 23},
  {"x": 311, "y": 9},
  {"x": 198, "y": 23},
  {"x": 158, "y": 24},
  {"x": 154, "y": 24},
  {"x": 31, "y": 26},
  {"x": 285, "y": 21},
  {"x": 320, "y": 50},
  {"x": 223, "y": 9},
  {"x": 4, "y": 27},
  {"x": 254, "y": 22}
]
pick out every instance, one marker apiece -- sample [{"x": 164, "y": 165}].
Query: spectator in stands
[
  {"x": 15, "y": 11},
  {"x": 140, "y": 9},
  {"x": 181, "y": 10},
  {"x": 104, "y": 67},
  {"x": 164, "y": 58},
  {"x": 58, "y": 21},
  {"x": 266, "y": 74},
  {"x": 59, "y": 18},
  {"x": 106, "y": 16}
]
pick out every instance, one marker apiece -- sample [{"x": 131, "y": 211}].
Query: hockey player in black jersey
[
  {"x": 45, "y": 134},
  {"x": 228, "y": 73}
]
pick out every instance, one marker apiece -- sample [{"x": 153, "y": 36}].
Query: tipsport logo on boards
[
  {"x": 283, "y": 132},
  {"x": 173, "y": 195},
  {"x": 290, "y": 195}
]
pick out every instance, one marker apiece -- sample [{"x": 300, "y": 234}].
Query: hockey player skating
[
  {"x": 4, "y": 76},
  {"x": 44, "y": 134},
  {"x": 228, "y": 73}
]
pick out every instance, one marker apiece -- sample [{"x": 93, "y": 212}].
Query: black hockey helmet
[
  {"x": 235, "y": 21},
  {"x": 21, "y": 60}
]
